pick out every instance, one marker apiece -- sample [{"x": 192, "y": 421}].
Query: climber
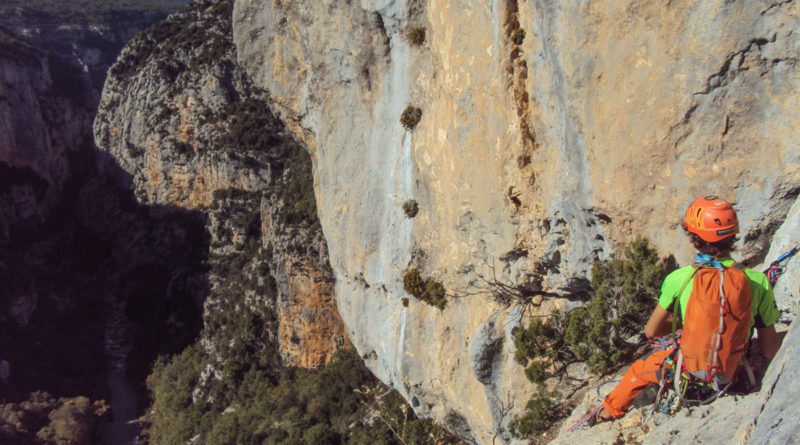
[{"x": 711, "y": 225}]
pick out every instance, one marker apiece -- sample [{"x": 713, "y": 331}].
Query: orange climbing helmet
[{"x": 712, "y": 219}]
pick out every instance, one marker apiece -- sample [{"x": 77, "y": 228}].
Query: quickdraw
[{"x": 777, "y": 267}]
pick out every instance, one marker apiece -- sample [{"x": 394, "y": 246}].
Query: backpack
[{"x": 716, "y": 328}]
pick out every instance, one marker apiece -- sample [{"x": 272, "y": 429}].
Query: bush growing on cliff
[
  {"x": 626, "y": 288},
  {"x": 411, "y": 117},
  {"x": 297, "y": 189},
  {"x": 415, "y": 35},
  {"x": 540, "y": 413},
  {"x": 251, "y": 126},
  {"x": 429, "y": 291},
  {"x": 410, "y": 208}
]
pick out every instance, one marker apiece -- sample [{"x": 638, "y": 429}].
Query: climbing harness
[
  {"x": 672, "y": 403},
  {"x": 777, "y": 267}
]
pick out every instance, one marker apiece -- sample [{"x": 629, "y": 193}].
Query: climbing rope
[
  {"x": 666, "y": 342},
  {"x": 591, "y": 413},
  {"x": 777, "y": 267},
  {"x": 585, "y": 418},
  {"x": 597, "y": 390}
]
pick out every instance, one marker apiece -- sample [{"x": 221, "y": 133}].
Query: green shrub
[
  {"x": 296, "y": 188},
  {"x": 539, "y": 415},
  {"x": 413, "y": 283},
  {"x": 435, "y": 294},
  {"x": 44, "y": 419},
  {"x": 411, "y": 117},
  {"x": 611, "y": 325},
  {"x": 415, "y": 35},
  {"x": 411, "y": 208},
  {"x": 627, "y": 288},
  {"x": 429, "y": 291},
  {"x": 605, "y": 333},
  {"x": 74, "y": 421},
  {"x": 518, "y": 36}
]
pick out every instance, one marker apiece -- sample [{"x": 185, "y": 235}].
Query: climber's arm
[
  {"x": 769, "y": 341},
  {"x": 659, "y": 324}
]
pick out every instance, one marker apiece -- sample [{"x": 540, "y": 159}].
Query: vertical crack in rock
[{"x": 517, "y": 71}]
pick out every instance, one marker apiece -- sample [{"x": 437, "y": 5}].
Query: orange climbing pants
[{"x": 645, "y": 371}]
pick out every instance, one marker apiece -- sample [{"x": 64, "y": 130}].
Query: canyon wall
[
  {"x": 52, "y": 69},
  {"x": 191, "y": 132},
  {"x": 41, "y": 128},
  {"x": 550, "y": 132}
]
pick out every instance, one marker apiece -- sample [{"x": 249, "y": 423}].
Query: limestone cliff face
[
  {"x": 309, "y": 325},
  {"x": 550, "y": 131},
  {"x": 186, "y": 123},
  {"x": 40, "y": 128}
]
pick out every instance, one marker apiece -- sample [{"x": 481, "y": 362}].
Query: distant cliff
[
  {"x": 53, "y": 64},
  {"x": 70, "y": 240},
  {"x": 44, "y": 123},
  {"x": 530, "y": 139},
  {"x": 186, "y": 123}
]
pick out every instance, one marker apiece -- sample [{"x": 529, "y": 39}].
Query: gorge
[{"x": 266, "y": 178}]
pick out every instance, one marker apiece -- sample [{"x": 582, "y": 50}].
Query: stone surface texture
[{"x": 550, "y": 132}]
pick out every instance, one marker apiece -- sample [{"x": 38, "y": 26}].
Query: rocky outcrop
[
  {"x": 187, "y": 124},
  {"x": 309, "y": 325},
  {"x": 549, "y": 133}
]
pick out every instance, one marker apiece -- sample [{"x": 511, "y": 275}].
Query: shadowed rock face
[
  {"x": 550, "y": 131},
  {"x": 192, "y": 130},
  {"x": 53, "y": 63},
  {"x": 41, "y": 128}
]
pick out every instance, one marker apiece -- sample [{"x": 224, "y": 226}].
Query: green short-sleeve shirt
[{"x": 765, "y": 310}]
